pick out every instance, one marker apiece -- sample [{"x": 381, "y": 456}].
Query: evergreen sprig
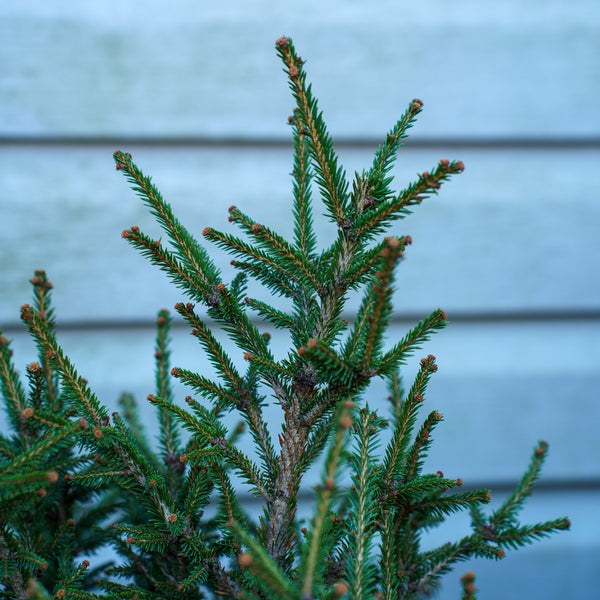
[{"x": 72, "y": 478}]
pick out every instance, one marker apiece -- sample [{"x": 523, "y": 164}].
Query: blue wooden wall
[{"x": 510, "y": 249}]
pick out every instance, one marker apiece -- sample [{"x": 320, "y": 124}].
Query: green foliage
[{"x": 72, "y": 479}]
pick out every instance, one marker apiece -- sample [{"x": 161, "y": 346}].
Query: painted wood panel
[
  {"x": 500, "y": 387},
  {"x": 564, "y": 566},
  {"x": 154, "y": 69},
  {"x": 496, "y": 403},
  {"x": 516, "y": 232}
]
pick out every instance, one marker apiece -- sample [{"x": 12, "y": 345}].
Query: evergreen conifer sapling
[{"x": 363, "y": 540}]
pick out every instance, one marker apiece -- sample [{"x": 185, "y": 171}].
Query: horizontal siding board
[
  {"x": 563, "y": 566},
  {"x": 145, "y": 69},
  {"x": 500, "y": 388},
  {"x": 516, "y": 232}
]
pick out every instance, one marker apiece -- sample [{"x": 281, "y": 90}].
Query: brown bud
[
  {"x": 152, "y": 483},
  {"x": 183, "y": 458},
  {"x": 256, "y": 227},
  {"x": 329, "y": 483},
  {"x": 281, "y": 42},
  {"x": 3, "y": 341},
  {"x": 293, "y": 71},
  {"x": 501, "y": 554},
  {"x": 418, "y": 101},
  {"x": 539, "y": 452},
  {"x": 346, "y": 422},
  {"x": 82, "y": 423},
  {"x": 425, "y": 174},
  {"x": 248, "y": 356},
  {"x": 85, "y": 564},
  {"x": 232, "y": 208},
  {"x": 26, "y": 312},
  {"x": 61, "y": 593},
  {"x": 98, "y": 433},
  {"x": 392, "y": 242},
  {"x": 340, "y": 588},
  {"x": 36, "y": 280},
  {"x": 407, "y": 240},
  {"x": 439, "y": 474},
  {"x": 135, "y": 229},
  {"x": 301, "y": 351},
  {"x": 27, "y": 413},
  {"x": 444, "y": 162},
  {"x": 52, "y": 477},
  {"x": 34, "y": 367},
  {"x": 172, "y": 518},
  {"x": 130, "y": 539},
  {"x": 459, "y": 482},
  {"x": 206, "y": 231},
  {"x": 460, "y": 166},
  {"x": 230, "y": 219},
  {"x": 221, "y": 287},
  {"x": 174, "y": 371},
  {"x": 150, "y": 397},
  {"x": 126, "y": 233},
  {"x": 245, "y": 559},
  {"x": 189, "y": 306},
  {"x": 41, "y": 492},
  {"x": 437, "y": 416},
  {"x": 312, "y": 343}
]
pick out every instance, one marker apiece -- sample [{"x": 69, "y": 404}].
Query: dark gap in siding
[
  {"x": 572, "y": 315},
  {"x": 495, "y": 487},
  {"x": 537, "y": 143},
  {"x": 569, "y": 315}
]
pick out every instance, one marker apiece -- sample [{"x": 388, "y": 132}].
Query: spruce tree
[{"x": 72, "y": 477}]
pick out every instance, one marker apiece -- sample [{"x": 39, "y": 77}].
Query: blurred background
[{"x": 510, "y": 249}]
